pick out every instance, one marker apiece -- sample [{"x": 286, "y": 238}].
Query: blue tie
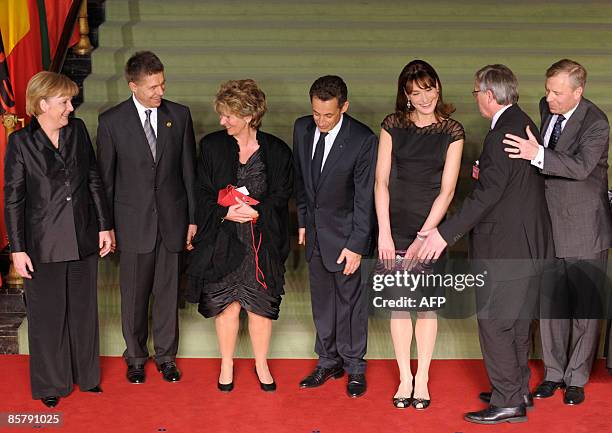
[{"x": 556, "y": 132}]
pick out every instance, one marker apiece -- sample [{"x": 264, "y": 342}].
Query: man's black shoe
[
  {"x": 320, "y": 375},
  {"x": 547, "y": 389},
  {"x": 169, "y": 371},
  {"x": 573, "y": 395},
  {"x": 136, "y": 373},
  {"x": 497, "y": 415},
  {"x": 527, "y": 398},
  {"x": 356, "y": 385}
]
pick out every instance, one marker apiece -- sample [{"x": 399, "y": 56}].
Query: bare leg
[
  {"x": 425, "y": 331},
  {"x": 260, "y": 330},
  {"x": 401, "y": 333},
  {"x": 227, "y": 324}
]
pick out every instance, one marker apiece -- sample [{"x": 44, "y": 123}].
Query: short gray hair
[{"x": 501, "y": 81}]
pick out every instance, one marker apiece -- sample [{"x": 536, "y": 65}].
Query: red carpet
[{"x": 195, "y": 405}]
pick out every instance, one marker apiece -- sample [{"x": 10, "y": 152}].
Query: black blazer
[
  {"x": 54, "y": 198},
  {"x": 506, "y": 211},
  {"x": 146, "y": 196},
  {"x": 339, "y": 211}
]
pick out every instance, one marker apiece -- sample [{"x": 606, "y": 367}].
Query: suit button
[
  {"x": 317, "y": 207},
  {"x": 67, "y": 183},
  {"x": 68, "y": 198},
  {"x": 154, "y": 210}
]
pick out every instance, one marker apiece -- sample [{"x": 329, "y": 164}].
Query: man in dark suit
[
  {"x": 146, "y": 152},
  {"x": 510, "y": 233},
  {"x": 574, "y": 161},
  {"x": 335, "y": 158}
]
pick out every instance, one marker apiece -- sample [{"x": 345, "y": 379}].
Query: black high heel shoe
[
  {"x": 402, "y": 402},
  {"x": 424, "y": 403},
  {"x": 267, "y": 387},
  {"x": 50, "y": 401},
  {"x": 226, "y": 387}
]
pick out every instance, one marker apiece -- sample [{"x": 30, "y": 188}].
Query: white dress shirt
[
  {"x": 498, "y": 114},
  {"x": 538, "y": 161},
  {"x": 143, "y": 116},
  {"x": 329, "y": 140}
]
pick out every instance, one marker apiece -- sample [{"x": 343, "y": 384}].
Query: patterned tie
[
  {"x": 317, "y": 159},
  {"x": 150, "y": 133},
  {"x": 556, "y": 132}
]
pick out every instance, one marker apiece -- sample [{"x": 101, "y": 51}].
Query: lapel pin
[{"x": 169, "y": 124}]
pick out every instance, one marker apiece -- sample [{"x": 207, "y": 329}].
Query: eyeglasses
[{"x": 475, "y": 92}]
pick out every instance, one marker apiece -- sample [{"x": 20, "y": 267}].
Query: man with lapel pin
[
  {"x": 574, "y": 161},
  {"x": 335, "y": 159},
  {"x": 146, "y": 152}
]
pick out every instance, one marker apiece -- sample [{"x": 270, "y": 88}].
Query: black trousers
[
  {"x": 505, "y": 312},
  {"x": 339, "y": 309},
  {"x": 62, "y": 311},
  {"x": 140, "y": 276}
]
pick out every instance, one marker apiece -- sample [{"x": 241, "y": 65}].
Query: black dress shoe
[
  {"x": 50, "y": 401},
  {"x": 267, "y": 387},
  {"x": 320, "y": 375},
  {"x": 573, "y": 395},
  {"x": 547, "y": 389},
  {"x": 527, "y": 398},
  {"x": 136, "y": 373},
  {"x": 169, "y": 371},
  {"x": 96, "y": 389},
  {"x": 356, "y": 385},
  {"x": 497, "y": 415}
]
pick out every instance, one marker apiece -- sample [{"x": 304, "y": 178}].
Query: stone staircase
[{"x": 285, "y": 45}]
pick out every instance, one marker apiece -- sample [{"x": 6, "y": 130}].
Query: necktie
[
  {"x": 150, "y": 134},
  {"x": 556, "y": 132},
  {"x": 317, "y": 159}
]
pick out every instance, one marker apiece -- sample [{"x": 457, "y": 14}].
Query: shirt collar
[
  {"x": 570, "y": 112},
  {"x": 141, "y": 108},
  {"x": 335, "y": 130},
  {"x": 497, "y": 115}
]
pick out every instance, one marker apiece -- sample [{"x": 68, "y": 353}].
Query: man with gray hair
[
  {"x": 510, "y": 234},
  {"x": 574, "y": 161}
]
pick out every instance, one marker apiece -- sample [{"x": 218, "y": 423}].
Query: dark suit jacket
[
  {"x": 54, "y": 198},
  {"x": 577, "y": 182},
  {"x": 339, "y": 210},
  {"x": 506, "y": 211},
  {"x": 146, "y": 196}
]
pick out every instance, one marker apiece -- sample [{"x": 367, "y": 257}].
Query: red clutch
[{"x": 227, "y": 197}]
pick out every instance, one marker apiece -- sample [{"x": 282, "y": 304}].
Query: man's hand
[
  {"x": 22, "y": 264},
  {"x": 302, "y": 236},
  {"x": 410, "y": 259},
  {"x": 113, "y": 241},
  {"x": 191, "y": 232},
  {"x": 522, "y": 148},
  {"x": 432, "y": 247},
  {"x": 353, "y": 260},
  {"x": 105, "y": 242}
]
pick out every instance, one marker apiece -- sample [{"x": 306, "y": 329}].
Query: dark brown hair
[
  {"x": 329, "y": 87},
  {"x": 425, "y": 76},
  {"x": 140, "y": 64}
]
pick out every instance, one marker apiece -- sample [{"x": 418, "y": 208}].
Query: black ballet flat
[
  {"x": 267, "y": 387},
  {"x": 420, "y": 401},
  {"x": 402, "y": 402}
]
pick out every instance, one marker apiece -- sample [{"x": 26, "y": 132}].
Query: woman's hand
[
  {"x": 386, "y": 250},
  {"x": 106, "y": 242},
  {"x": 241, "y": 212},
  {"x": 22, "y": 264},
  {"x": 410, "y": 259}
]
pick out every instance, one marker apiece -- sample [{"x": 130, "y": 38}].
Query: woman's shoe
[
  {"x": 226, "y": 387},
  {"x": 402, "y": 402},
  {"x": 420, "y": 403},
  {"x": 267, "y": 387}
]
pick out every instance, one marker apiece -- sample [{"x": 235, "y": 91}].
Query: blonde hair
[
  {"x": 44, "y": 85},
  {"x": 242, "y": 98},
  {"x": 576, "y": 72}
]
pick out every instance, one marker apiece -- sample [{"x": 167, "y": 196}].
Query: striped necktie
[
  {"x": 150, "y": 134},
  {"x": 556, "y": 132}
]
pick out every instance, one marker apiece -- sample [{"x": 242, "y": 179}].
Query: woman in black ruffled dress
[
  {"x": 419, "y": 157},
  {"x": 240, "y": 250}
]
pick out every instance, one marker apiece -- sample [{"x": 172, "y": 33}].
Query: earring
[{"x": 408, "y": 105}]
